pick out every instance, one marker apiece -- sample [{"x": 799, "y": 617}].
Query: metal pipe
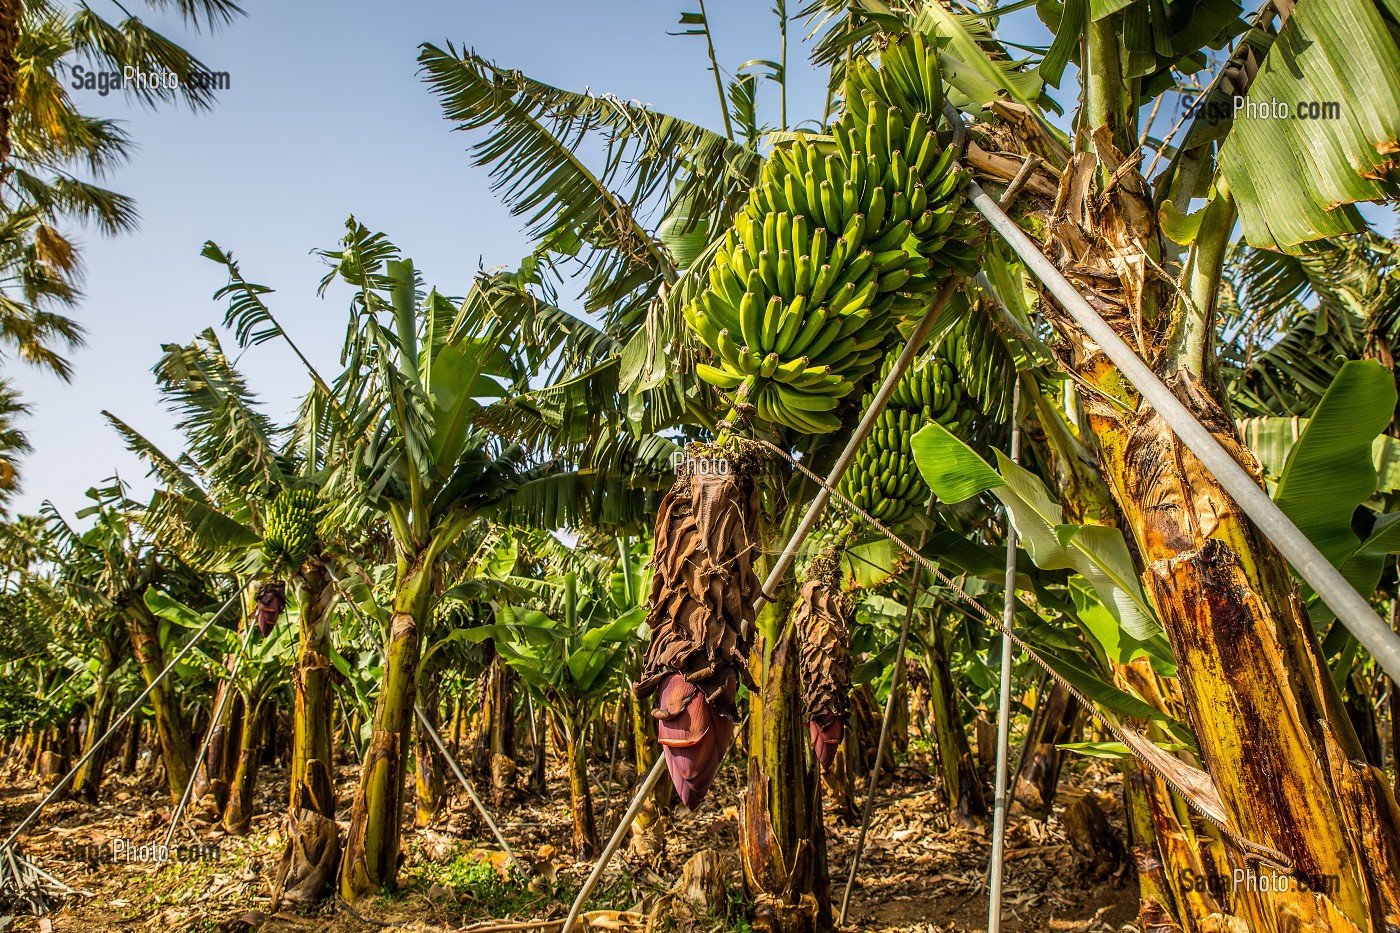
[
  {"x": 814, "y": 509},
  {"x": 1351, "y": 607},
  {"x": 427, "y": 727},
  {"x": 1008, "y": 614},
  {"x": 615, "y": 842},
  {"x": 135, "y": 705}
]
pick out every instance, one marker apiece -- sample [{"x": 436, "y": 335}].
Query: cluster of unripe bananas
[
  {"x": 835, "y": 244},
  {"x": 884, "y": 480},
  {"x": 290, "y": 532}
]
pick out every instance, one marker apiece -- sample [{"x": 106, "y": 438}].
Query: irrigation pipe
[
  {"x": 427, "y": 727},
  {"x": 645, "y": 788},
  {"x": 1351, "y": 608},
  {"x": 873, "y": 785},
  {"x": 135, "y": 705},
  {"x": 208, "y": 739},
  {"x": 1008, "y": 614}
]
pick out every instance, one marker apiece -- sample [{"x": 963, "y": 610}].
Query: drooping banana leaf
[
  {"x": 1295, "y": 179},
  {"x": 955, "y": 473}
]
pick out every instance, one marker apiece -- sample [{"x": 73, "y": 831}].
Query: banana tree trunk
[
  {"x": 88, "y": 780},
  {"x": 429, "y": 777},
  {"x": 782, "y": 840},
  {"x": 1272, "y": 729},
  {"x": 312, "y": 852},
  {"x": 585, "y": 837},
  {"x": 1052, "y": 724},
  {"x": 238, "y": 814},
  {"x": 496, "y": 750},
  {"x": 132, "y": 747},
  {"x": 371, "y": 859},
  {"x": 175, "y": 747},
  {"x": 312, "y": 783},
  {"x": 962, "y": 781},
  {"x": 648, "y": 841}
]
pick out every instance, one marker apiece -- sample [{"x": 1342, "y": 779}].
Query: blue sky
[{"x": 325, "y": 117}]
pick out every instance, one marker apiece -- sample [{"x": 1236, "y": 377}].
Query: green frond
[
  {"x": 162, "y": 467},
  {"x": 535, "y": 134},
  {"x": 131, "y": 43},
  {"x": 204, "y": 538},
  {"x": 230, "y": 439}
]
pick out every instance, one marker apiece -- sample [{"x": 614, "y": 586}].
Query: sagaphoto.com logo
[
  {"x": 145, "y": 82},
  {"x": 1271, "y": 109}
]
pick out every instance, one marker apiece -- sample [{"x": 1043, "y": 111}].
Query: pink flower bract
[
  {"x": 693, "y": 734},
  {"x": 826, "y": 737}
]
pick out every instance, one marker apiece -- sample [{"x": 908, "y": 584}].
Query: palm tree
[{"x": 52, "y": 154}]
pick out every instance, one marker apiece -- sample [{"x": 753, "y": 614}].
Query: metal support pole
[
  {"x": 873, "y": 785},
  {"x": 136, "y": 704},
  {"x": 615, "y": 841},
  {"x": 912, "y": 349},
  {"x": 1008, "y": 614},
  {"x": 427, "y": 727},
  {"x": 1351, "y": 607},
  {"x": 208, "y": 738}
]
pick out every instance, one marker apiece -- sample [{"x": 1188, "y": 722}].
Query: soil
[{"x": 918, "y": 874}]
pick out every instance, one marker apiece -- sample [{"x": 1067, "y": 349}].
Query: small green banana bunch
[
  {"x": 884, "y": 480},
  {"x": 290, "y": 532},
  {"x": 931, "y": 389}
]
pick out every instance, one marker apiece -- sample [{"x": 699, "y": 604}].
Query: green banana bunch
[
  {"x": 884, "y": 479},
  {"x": 832, "y": 247},
  {"x": 290, "y": 532},
  {"x": 890, "y": 120}
]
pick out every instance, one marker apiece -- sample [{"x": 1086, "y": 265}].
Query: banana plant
[
  {"x": 570, "y": 664},
  {"x": 261, "y": 677}
]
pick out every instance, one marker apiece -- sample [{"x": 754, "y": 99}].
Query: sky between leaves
[{"x": 326, "y": 116}]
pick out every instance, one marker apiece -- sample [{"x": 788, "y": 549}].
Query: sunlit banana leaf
[{"x": 1294, "y": 179}]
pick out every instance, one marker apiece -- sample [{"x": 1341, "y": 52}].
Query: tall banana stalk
[
  {"x": 1272, "y": 729},
  {"x": 414, "y": 458}
]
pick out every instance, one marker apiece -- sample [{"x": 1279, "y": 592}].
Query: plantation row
[{"x": 814, "y": 440}]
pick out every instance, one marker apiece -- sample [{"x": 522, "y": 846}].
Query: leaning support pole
[
  {"x": 135, "y": 705},
  {"x": 814, "y": 510},
  {"x": 873, "y": 784},
  {"x": 427, "y": 727},
  {"x": 1008, "y": 614},
  {"x": 615, "y": 842},
  {"x": 1351, "y": 607},
  {"x": 784, "y": 562},
  {"x": 204, "y": 747}
]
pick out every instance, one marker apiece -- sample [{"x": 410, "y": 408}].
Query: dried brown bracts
[{"x": 701, "y": 617}]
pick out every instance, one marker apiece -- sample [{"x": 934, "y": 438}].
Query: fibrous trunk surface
[{"x": 822, "y": 620}]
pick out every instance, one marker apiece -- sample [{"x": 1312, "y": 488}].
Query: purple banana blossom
[
  {"x": 694, "y": 735},
  {"x": 826, "y": 737},
  {"x": 271, "y": 601}
]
